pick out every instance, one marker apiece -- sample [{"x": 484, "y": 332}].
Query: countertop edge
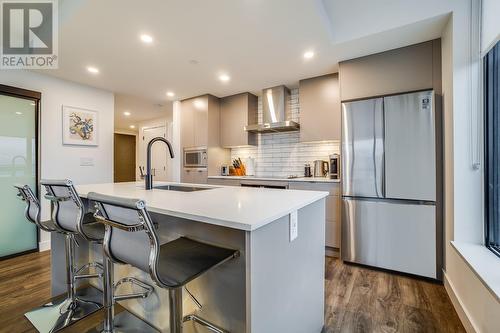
[{"x": 232, "y": 224}]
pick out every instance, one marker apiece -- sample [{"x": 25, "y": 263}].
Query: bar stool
[
  {"x": 32, "y": 210},
  {"x": 68, "y": 219},
  {"x": 171, "y": 265}
]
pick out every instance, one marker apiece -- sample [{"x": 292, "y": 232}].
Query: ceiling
[
  {"x": 259, "y": 43},
  {"x": 139, "y": 109}
]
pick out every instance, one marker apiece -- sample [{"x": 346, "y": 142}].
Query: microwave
[{"x": 195, "y": 157}]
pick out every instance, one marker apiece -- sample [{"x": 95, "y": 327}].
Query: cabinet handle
[{"x": 200, "y": 170}]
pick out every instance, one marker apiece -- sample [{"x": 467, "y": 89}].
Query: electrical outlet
[
  {"x": 294, "y": 225},
  {"x": 86, "y": 161}
]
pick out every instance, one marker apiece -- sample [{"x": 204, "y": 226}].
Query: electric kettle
[{"x": 321, "y": 168}]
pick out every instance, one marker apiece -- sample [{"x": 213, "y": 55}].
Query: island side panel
[
  {"x": 58, "y": 261},
  {"x": 287, "y": 278},
  {"x": 221, "y": 290}
]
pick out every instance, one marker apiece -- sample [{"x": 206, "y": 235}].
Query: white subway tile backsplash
[{"x": 282, "y": 154}]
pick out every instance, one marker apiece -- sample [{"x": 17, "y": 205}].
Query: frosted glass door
[{"x": 17, "y": 166}]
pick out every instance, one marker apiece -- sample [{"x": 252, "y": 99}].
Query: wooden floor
[{"x": 357, "y": 299}]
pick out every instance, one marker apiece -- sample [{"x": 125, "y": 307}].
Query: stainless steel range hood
[{"x": 276, "y": 113}]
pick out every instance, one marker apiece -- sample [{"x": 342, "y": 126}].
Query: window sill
[{"x": 484, "y": 263}]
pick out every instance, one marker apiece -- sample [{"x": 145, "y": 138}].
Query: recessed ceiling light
[
  {"x": 224, "y": 77},
  {"x": 92, "y": 70},
  {"x": 126, "y": 113},
  {"x": 308, "y": 55},
  {"x": 132, "y": 126},
  {"x": 170, "y": 94},
  {"x": 17, "y": 112},
  {"x": 146, "y": 38}
]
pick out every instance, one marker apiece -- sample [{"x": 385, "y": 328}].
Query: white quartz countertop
[
  {"x": 235, "y": 207},
  {"x": 298, "y": 179}
]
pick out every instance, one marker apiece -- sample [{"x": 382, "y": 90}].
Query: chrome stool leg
[
  {"x": 77, "y": 304},
  {"x": 176, "y": 313},
  {"x": 205, "y": 323},
  {"x": 70, "y": 265},
  {"x": 124, "y": 322},
  {"x": 175, "y": 308},
  {"x": 109, "y": 312}
]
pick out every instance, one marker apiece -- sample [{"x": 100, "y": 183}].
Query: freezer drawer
[
  {"x": 395, "y": 236},
  {"x": 410, "y": 146},
  {"x": 363, "y": 148}
]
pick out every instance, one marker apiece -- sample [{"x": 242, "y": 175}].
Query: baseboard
[
  {"x": 459, "y": 307},
  {"x": 44, "y": 246},
  {"x": 332, "y": 252}
]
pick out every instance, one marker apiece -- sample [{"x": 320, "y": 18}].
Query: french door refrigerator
[{"x": 389, "y": 214}]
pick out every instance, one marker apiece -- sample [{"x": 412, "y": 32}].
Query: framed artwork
[{"x": 79, "y": 126}]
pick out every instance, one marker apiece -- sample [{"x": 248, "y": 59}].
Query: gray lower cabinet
[
  {"x": 195, "y": 176},
  {"x": 187, "y": 176},
  {"x": 200, "y": 176},
  {"x": 332, "y": 205}
]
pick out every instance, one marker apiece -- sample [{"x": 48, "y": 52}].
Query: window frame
[{"x": 491, "y": 95}]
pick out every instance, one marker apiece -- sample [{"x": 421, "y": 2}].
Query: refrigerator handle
[
  {"x": 383, "y": 145},
  {"x": 379, "y": 182}
]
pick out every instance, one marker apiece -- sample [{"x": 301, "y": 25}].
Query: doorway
[
  {"x": 159, "y": 167},
  {"x": 19, "y": 164},
  {"x": 124, "y": 158}
]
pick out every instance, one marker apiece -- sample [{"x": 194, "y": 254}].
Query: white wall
[
  {"x": 468, "y": 191},
  {"x": 491, "y": 24},
  {"x": 58, "y": 161},
  {"x": 477, "y": 306},
  {"x": 350, "y": 20}
]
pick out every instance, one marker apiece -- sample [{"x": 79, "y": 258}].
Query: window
[{"x": 492, "y": 147}]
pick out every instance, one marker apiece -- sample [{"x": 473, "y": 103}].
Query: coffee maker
[{"x": 334, "y": 166}]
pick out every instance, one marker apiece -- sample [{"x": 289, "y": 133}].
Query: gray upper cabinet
[
  {"x": 195, "y": 114},
  {"x": 200, "y": 122},
  {"x": 236, "y": 112},
  {"x": 187, "y": 123},
  {"x": 319, "y": 108},
  {"x": 200, "y": 127},
  {"x": 411, "y": 68}
]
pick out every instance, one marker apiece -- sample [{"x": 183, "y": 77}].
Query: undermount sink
[{"x": 181, "y": 188}]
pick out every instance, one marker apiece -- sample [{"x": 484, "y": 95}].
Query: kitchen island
[{"x": 275, "y": 285}]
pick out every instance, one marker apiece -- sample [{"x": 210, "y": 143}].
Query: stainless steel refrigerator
[{"x": 390, "y": 209}]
